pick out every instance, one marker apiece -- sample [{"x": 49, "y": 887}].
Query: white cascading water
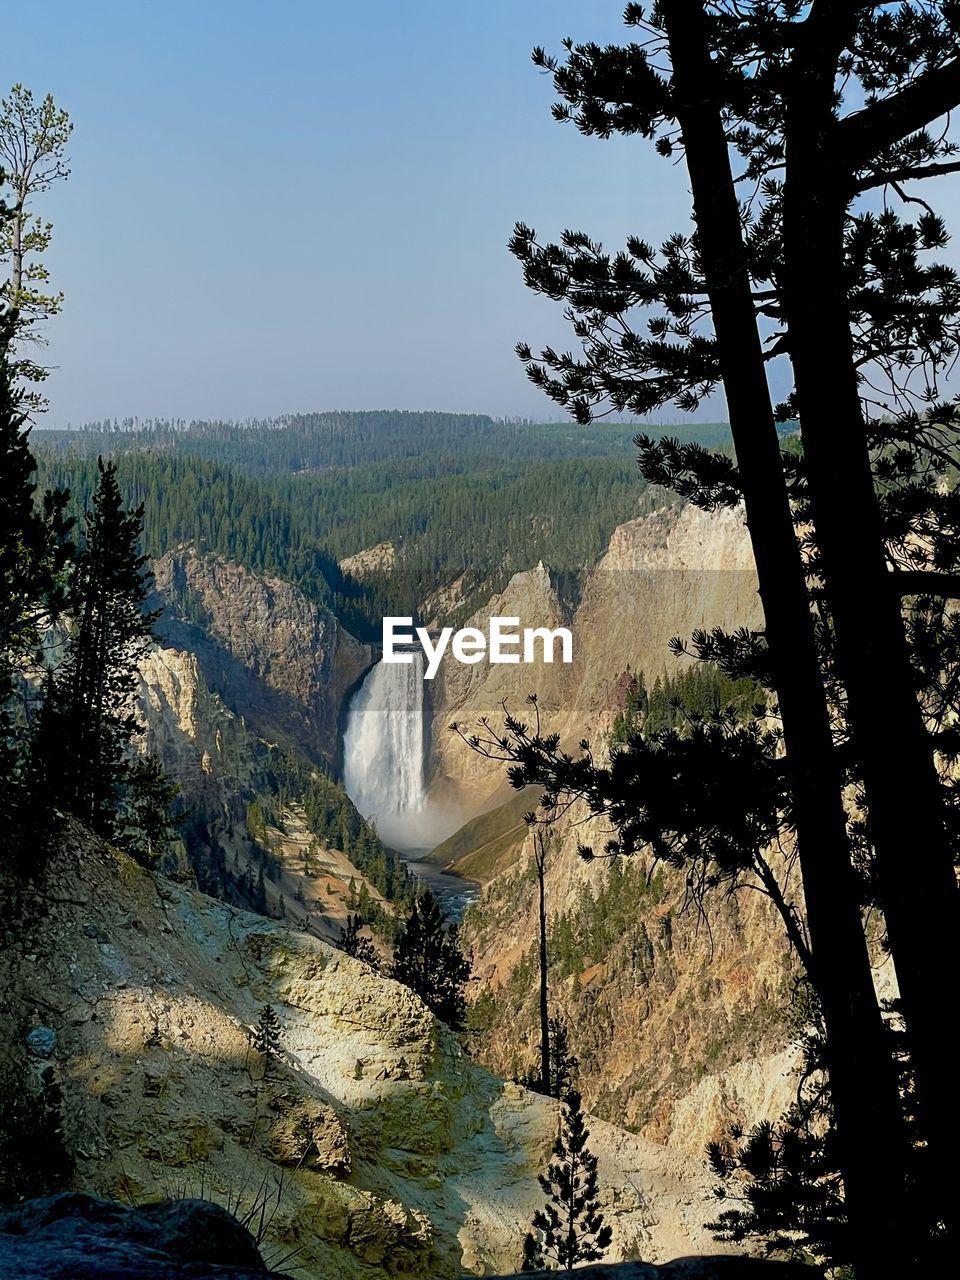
[{"x": 383, "y": 749}]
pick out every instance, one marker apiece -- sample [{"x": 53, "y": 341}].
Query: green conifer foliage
[
  {"x": 563, "y": 1063},
  {"x": 88, "y": 721},
  {"x": 266, "y": 1039},
  {"x": 353, "y": 942},
  {"x": 570, "y": 1228},
  {"x": 146, "y": 825},
  {"x": 34, "y": 553},
  {"x": 429, "y": 961}
]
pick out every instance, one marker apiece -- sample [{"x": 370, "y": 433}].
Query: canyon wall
[
  {"x": 680, "y": 1022},
  {"x": 284, "y": 664},
  {"x": 680, "y": 1019},
  {"x": 664, "y": 575},
  {"x": 379, "y": 1148}
]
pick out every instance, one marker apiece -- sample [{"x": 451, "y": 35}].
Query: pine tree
[
  {"x": 563, "y": 1063},
  {"x": 818, "y": 108},
  {"x": 540, "y": 861},
  {"x": 146, "y": 825},
  {"x": 427, "y": 958},
  {"x": 35, "y": 552},
  {"x": 570, "y": 1228},
  {"x": 33, "y": 141},
  {"x": 352, "y": 941},
  {"x": 266, "y": 1039},
  {"x": 90, "y": 708},
  {"x": 533, "y": 1259}
]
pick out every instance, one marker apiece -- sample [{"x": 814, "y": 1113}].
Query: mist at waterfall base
[{"x": 383, "y": 760}]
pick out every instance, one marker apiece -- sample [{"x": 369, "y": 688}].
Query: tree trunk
[
  {"x": 545, "y": 1082},
  {"x": 863, "y": 1083},
  {"x": 17, "y": 220},
  {"x": 889, "y": 740}
]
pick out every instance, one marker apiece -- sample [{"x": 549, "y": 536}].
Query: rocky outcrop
[
  {"x": 680, "y": 1021},
  {"x": 78, "y": 1237},
  {"x": 371, "y": 559},
  {"x": 664, "y": 575},
  {"x": 465, "y": 694},
  {"x": 378, "y": 1147},
  {"x": 199, "y": 741},
  {"x": 220, "y": 767},
  {"x": 282, "y": 663}
]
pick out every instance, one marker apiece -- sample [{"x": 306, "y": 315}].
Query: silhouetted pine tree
[
  {"x": 352, "y": 941},
  {"x": 563, "y": 1063},
  {"x": 540, "y": 863},
  {"x": 570, "y": 1228},
  {"x": 427, "y": 958},
  {"x": 146, "y": 825},
  {"x": 812, "y": 108},
  {"x": 88, "y": 715},
  {"x": 34, "y": 554}
]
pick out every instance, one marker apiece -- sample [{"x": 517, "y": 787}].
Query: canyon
[
  {"x": 682, "y": 1025},
  {"x": 383, "y": 1143}
]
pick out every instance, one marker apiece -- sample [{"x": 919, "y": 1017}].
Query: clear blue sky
[{"x": 294, "y": 205}]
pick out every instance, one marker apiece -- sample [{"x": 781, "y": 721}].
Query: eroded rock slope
[{"x": 377, "y": 1145}]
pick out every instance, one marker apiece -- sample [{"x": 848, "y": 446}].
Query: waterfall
[{"x": 383, "y": 751}]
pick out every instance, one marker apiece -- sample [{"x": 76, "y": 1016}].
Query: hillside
[
  {"x": 681, "y": 1024},
  {"x": 662, "y": 575},
  {"x": 380, "y": 1148},
  {"x": 244, "y": 717},
  {"x": 457, "y": 496}
]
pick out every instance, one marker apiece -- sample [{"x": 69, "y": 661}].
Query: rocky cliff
[
  {"x": 221, "y": 766},
  {"x": 680, "y": 1021},
  {"x": 663, "y": 575},
  {"x": 371, "y": 1146},
  {"x": 198, "y": 739},
  {"x": 284, "y": 664}
]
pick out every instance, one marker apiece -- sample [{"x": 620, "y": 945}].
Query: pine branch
[
  {"x": 908, "y": 173},
  {"x": 880, "y": 125}
]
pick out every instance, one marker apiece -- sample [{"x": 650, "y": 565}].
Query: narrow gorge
[
  {"x": 673, "y": 1040},
  {"x": 400, "y": 1149}
]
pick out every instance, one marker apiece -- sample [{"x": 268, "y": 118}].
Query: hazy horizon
[{"x": 665, "y": 419}]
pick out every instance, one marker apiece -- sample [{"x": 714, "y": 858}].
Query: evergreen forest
[{"x": 457, "y": 497}]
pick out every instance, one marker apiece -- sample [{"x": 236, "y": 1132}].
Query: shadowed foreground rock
[
  {"x": 716, "y": 1268},
  {"x": 77, "y": 1237}
]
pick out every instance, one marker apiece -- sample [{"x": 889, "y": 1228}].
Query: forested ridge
[
  {"x": 442, "y": 442},
  {"x": 454, "y": 494}
]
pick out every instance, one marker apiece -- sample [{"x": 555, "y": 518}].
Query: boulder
[
  {"x": 78, "y": 1237},
  {"x": 310, "y": 1134},
  {"x": 41, "y": 1042}
]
